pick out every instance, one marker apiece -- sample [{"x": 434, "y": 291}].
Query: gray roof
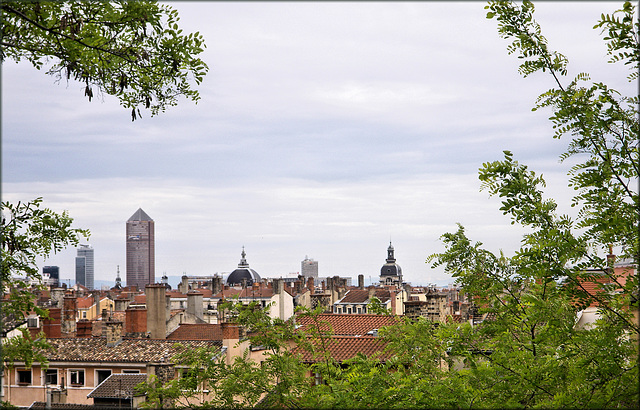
[
  {"x": 140, "y": 215},
  {"x": 118, "y": 386}
]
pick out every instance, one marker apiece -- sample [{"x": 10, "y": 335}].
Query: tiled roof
[
  {"x": 85, "y": 302},
  {"x": 349, "y": 324},
  {"x": 343, "y": 348},
  {"x": 196, "y": 331},
  {"x": 362, "y": 296},
  {"x": 245, "y": 293},
  {"x": 67, "y": 406},
  {"x": 118, "y": 386},
  {"x": 95, "y": 349}
]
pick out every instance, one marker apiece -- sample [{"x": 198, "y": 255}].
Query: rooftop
[
  {"x": 95, "y": 349},
  {"x": 118, "y": 386}
]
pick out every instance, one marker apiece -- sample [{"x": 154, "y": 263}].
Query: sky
[{"x": 325, "y": 130}]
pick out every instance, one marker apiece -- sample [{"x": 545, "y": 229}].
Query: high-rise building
[
  {"x": 309, "y": 268},
  {"x": 84, "y": 266},
  {"x": 52, "y": 274},
  {"x": 140, "y": 250}
]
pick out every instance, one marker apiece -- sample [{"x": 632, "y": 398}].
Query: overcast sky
[{"x": 325, "y": 129}]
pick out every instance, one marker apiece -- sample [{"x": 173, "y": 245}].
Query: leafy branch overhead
[{"x": 133, "y": 50}]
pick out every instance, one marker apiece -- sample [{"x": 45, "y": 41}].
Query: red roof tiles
[
  {"x": 348, "y": 324},
  {"x": 342, "y": 348},
  {"x": 196, "y": 331}
]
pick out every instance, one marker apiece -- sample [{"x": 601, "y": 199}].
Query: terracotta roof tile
[
  {"x": 348, "y": 324},
  {"x": 362, "y": 296},
  {"x": 196, "y": 331},
  {"x": 118, "y": 386},
  {"x": 343, "y": 348},
  {"x": 94, "y": 349}
]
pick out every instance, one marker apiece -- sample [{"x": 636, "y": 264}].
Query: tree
[
  {"x": 133, "y": 50},
  {"x": 29, "y": 232},
  {"x": 529, "y": 352}
]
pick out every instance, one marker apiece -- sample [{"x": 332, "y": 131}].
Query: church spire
[
  {"x": 390, "y": 257},
  {"x": 243, "y": 261}
]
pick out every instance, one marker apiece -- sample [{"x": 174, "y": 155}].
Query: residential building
[{"x": 140, "y": 250}]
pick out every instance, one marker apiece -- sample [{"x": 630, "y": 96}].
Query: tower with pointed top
[
  {"x": 140, "y": 250},
  {"x": 391, "y": 272}
]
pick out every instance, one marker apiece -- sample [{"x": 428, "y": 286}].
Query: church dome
[
  {"x": 244, "y": 272},
  {"x": 391, "y": 268}
]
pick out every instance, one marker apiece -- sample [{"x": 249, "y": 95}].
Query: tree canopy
[{"x": 133, "y": 50}]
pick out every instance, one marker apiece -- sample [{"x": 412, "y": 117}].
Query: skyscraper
[
  {"x": 53, "y": 275},
  {"x": 309, "y": 268},
  {"x": 84, "y": 266},
  {"x": 140, "y": 250}
]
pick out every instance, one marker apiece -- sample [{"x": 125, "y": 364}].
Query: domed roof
[
  {"x": 391, "y": 268},
  {"x": 244, "y": 272}
]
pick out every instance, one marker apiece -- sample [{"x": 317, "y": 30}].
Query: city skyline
[{"x": 324, "y": 129}]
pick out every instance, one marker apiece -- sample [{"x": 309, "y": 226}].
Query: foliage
[
  {"x": 29, "y": 232},
  {"x": 25, "y": 349},
  {"x": 528, "y": 351},
  {"x": 376, "y": 307},
  {"x": 133, "y": 50}
]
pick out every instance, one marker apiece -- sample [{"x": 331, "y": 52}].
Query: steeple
[
  {"x": 118, "y": 280},
  {"x": 390, "y": 257},
  {"x": 243, "y": 261}
]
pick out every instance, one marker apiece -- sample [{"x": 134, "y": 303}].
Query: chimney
[
  {"x": 330, "y": 283},
  {"x": 57, "y": 297},
  {"x": 194, "y": 304},
  {"x": 135, "y": 322},
  {"x": 216, "y": 285},
  {"x": 121, "y": 304},
  {"x": 361, "y": 281},
  {"x": 392, "y": 296},
  {"x": 311, "y": 284},
  {"x": 83, "y": 328},
  {"x": 96, "y": 301},
  {"x": 69, "y": 314},
  {"x": 156, "y": 310},
  {"x": 277, "y": 286},
  {"x": 112, "y": 331},
  {"x": 183, "y": 287},
  {"x": 52, "y": 327}
]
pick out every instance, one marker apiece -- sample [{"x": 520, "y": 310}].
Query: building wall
[{"x": 25, "y": 394}]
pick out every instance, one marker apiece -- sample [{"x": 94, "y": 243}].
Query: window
[
  {"x": 364, "y": 309},
  {"x": 51, "y": 377},
  {"x": 76, "y": 377},
  {"x": 101, "y": 375},
  {"x": 359, "y": 310},
  {"x": 339, "y": 310},
  {"x": 84, "y": 315},
  {"x": 131, "y": 371},
  {"x": 24, "y": 376},
  {"x": 33, "y": 322},
  {"x": 348, "y": 310}
]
